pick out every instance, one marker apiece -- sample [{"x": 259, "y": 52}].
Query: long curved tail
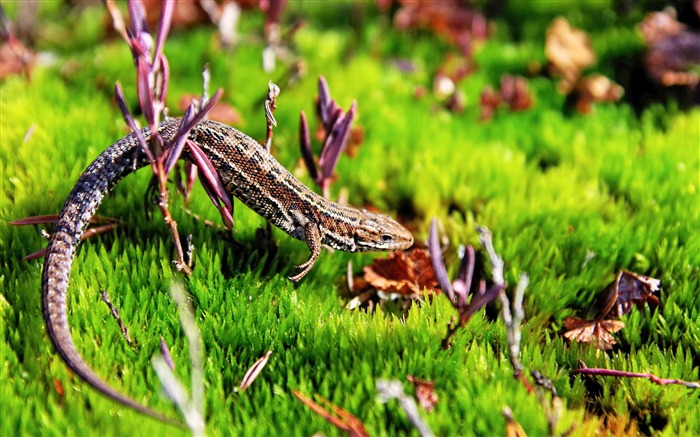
[{"x": 119, "y": 160}]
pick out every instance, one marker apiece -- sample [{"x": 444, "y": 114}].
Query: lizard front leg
[{"x": 312, "y": 236}]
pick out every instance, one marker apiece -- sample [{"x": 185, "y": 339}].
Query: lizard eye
[{"x": 386, "y": 238}]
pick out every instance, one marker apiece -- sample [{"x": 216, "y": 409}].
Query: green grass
[{"x": 553, "y": 188}]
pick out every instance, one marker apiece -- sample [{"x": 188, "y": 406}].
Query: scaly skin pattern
[{"x": 249, "y": 173}]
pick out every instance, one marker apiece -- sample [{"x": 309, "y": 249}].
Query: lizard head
[{"x": 380, "y": 232}]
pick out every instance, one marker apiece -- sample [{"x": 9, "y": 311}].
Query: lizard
[{"x": 247, "y": 172}]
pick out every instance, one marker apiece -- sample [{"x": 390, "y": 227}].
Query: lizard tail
[{"x": 94, "y": 184}]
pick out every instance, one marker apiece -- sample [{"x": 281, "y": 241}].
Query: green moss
[{"x": 570, "y": 200}]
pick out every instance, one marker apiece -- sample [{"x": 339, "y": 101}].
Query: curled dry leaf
[
  {"x": 626, "y": 290},
  {"x": 618, "y": 298},
  {"x": 596, "y": 88},
  {"x": 598, "y": 332},
  {"x": 403, "y": 273},
  {"x": 401, "y": 277},
  {"x": 674, "y": 51},
  {"x": 425, "y": 392},
  {"x": 569, "y": 52}
]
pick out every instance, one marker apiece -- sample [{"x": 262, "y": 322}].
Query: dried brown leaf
[
  {"x": 569, "y": 52},
  {"x": 598, "y": 332},
  {"x": 425, "y": 392},
  {"x": 674, "y": 51},
  {"x": 342, "y": 419},
  {"x": 406, "y": 273},
  {"x": 626, "y": 290},
  {"x": 596, "y": 88}
]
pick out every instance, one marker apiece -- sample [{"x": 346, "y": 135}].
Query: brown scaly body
[{"x": 249, "y": 173}]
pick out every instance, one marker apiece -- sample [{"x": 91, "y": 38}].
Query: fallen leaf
[
  {"x": 337, "y": 417},
  {"x": 425, "y": 392},
  {"x": 674, "y": 51},
  {"x": 599, "y": 332},
  {"x": 596, "y": 88},
  {"x": 626, "y": 290},
  {"x": 569, "y": 52},
  {"x": 403, "y": 273}
]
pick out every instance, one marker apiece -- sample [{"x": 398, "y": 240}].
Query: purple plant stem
[
  {"x": 137, "y": 12},
  {"x": 212, "y": 184},
  {"x": 166, "y": 18},
  {"x": 462, "y": 285},
  {"x": 189, "y": 120},
  {"x": 336, "y": 141},
  {"x": 121, "y": 101},
  {"x": 437, "y": 261},
  {"x": 622, "y": 374},
  {"x": 324, "y": 101},
  {"x": 305, "y": 144},
  {"x": 165, "y": 351}
]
